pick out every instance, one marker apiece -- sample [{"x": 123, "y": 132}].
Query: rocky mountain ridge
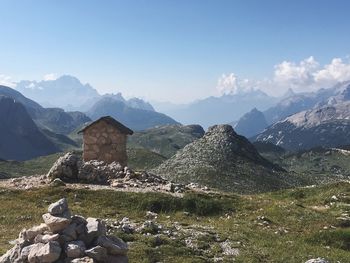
[
  {"x": 20, "y": 138},
  {"x": 327, "y": 126}
]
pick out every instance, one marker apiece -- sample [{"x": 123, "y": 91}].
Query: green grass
[
  {"x": 295, "y": 232},
  {"x": 40, "y": 165},
  {"x": 143, "y": 159}
]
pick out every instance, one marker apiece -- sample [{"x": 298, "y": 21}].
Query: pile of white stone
[
  {"x": 64, "y": 238},
  {"x": 71, "y": 168}
]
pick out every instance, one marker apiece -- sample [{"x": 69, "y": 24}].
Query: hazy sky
[{"x": 177, "y": 50}]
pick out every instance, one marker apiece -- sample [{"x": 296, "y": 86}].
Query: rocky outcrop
[
  {"x": 71, "y": 168},
  {"x": 224, "y": 160},
  {"x": 64, "y": 238}
]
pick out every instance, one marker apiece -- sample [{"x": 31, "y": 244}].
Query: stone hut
[{"x": 105, "y": 140}]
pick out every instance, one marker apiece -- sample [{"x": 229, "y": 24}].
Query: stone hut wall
[{"x": 104, "y": 142}]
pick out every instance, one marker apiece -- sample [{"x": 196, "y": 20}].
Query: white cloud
[
  {"x": 292, "y": 74},
  {"x": 50, "y": 76},
  {"x": 334, "y": 72},
  {"x": 7, "y": 81},
  {"x": 231, "y": 84},
  {"x": 304, "y": 76}
]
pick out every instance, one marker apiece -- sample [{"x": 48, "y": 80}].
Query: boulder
[
  {"x": 59, "y": 208},
  {"x": 46, "y": 238},
  {"x": 98, "y": 253},
  {"x": 55, "y": 223},
  {"x": 95, "y": 228},
  {"x": 31, "y": 233},
  {"x": 44, "y": 253},
  {"x": 114, "y": 246},
  {"x": 75, "y": 249},
  {"x": 65, "y": 168}
]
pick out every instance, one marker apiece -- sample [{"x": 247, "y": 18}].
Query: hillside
[
  {"x": 317, "y": 165},
  {"x": 166, "y": 140},
  {"x": 20, "y": 138},
  {"x": 135, "y": 119},
  {"x": 327, "y": 126},
  {"x": 311, "y": 222},
  {"x": 227, "y": 161}
]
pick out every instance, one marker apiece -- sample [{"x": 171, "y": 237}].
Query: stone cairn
[{"x": 66, "y": 239}]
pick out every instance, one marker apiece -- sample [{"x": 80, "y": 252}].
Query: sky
[{"x": 178, "y": 50}]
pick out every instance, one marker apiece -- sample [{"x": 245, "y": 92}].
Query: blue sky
[{"x": 172, "y": 50}]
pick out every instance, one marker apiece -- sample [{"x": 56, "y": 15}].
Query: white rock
[
  {"x": 75, "y": 249},
  {"x": 31, "y": 233},
  {"x": 44, "y": 253},
  {"x": 317, "y": 260},
  {"x": 95, "y": 228},
  {"x": 82, "y": 260},
  {"x": 98, "y": 253},
  {"x": 55, "y": 224},
  {"x": 46, "y": 238}
]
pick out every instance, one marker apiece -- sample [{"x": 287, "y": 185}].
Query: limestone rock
[
  {"x": 95, "y": 228},
  {"x": 75, "y": 249},
  {"x": 58, "y": 182},
  {"x": 66, "y": 167},
  {"x": 59, "y": 208},
  {"x": 44, "y": 253},
  {"x": 55, "y": 223},
  {"x": 31, "y": 233},
  {"x": 83, "y": 260},
  {"x": 46, "y": 238},
  {"x": 317, "y": 260},
  {"x": 114, "y": 246},
  {"x": 66, "y": 239},
  {"x": 98, "y": 253}
]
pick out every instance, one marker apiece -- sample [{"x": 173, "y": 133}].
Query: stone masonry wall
[{"x": 104, "y": 142}]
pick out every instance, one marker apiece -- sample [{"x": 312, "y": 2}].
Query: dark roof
[{"x": 110, "y": 121}]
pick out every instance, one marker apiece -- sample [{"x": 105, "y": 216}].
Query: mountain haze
[
  {"x": 136, "y": 119},
  {"x": 20, "y": 139}
]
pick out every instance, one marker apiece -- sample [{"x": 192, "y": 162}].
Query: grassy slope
[
  {"x": 139, "y": 159},
  {"x": 301, "y": 212},
  {"x": 317, "y": 165},
  {"x": 164, "y": 140},
  {"x": 40, "y": 165}
]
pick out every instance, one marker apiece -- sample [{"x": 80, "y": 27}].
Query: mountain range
[
  {"x": 216, "y": 110},
  {"x": 327, "y": 126},
  {"x": 20, "y": 137}
]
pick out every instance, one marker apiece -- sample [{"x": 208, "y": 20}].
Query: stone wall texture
[{"x": 106, "y": 143}]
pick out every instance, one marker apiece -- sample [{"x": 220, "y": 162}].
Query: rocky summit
[
  {"x": 224, "y": 160},
  {"x": 65, "y": 238}
]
